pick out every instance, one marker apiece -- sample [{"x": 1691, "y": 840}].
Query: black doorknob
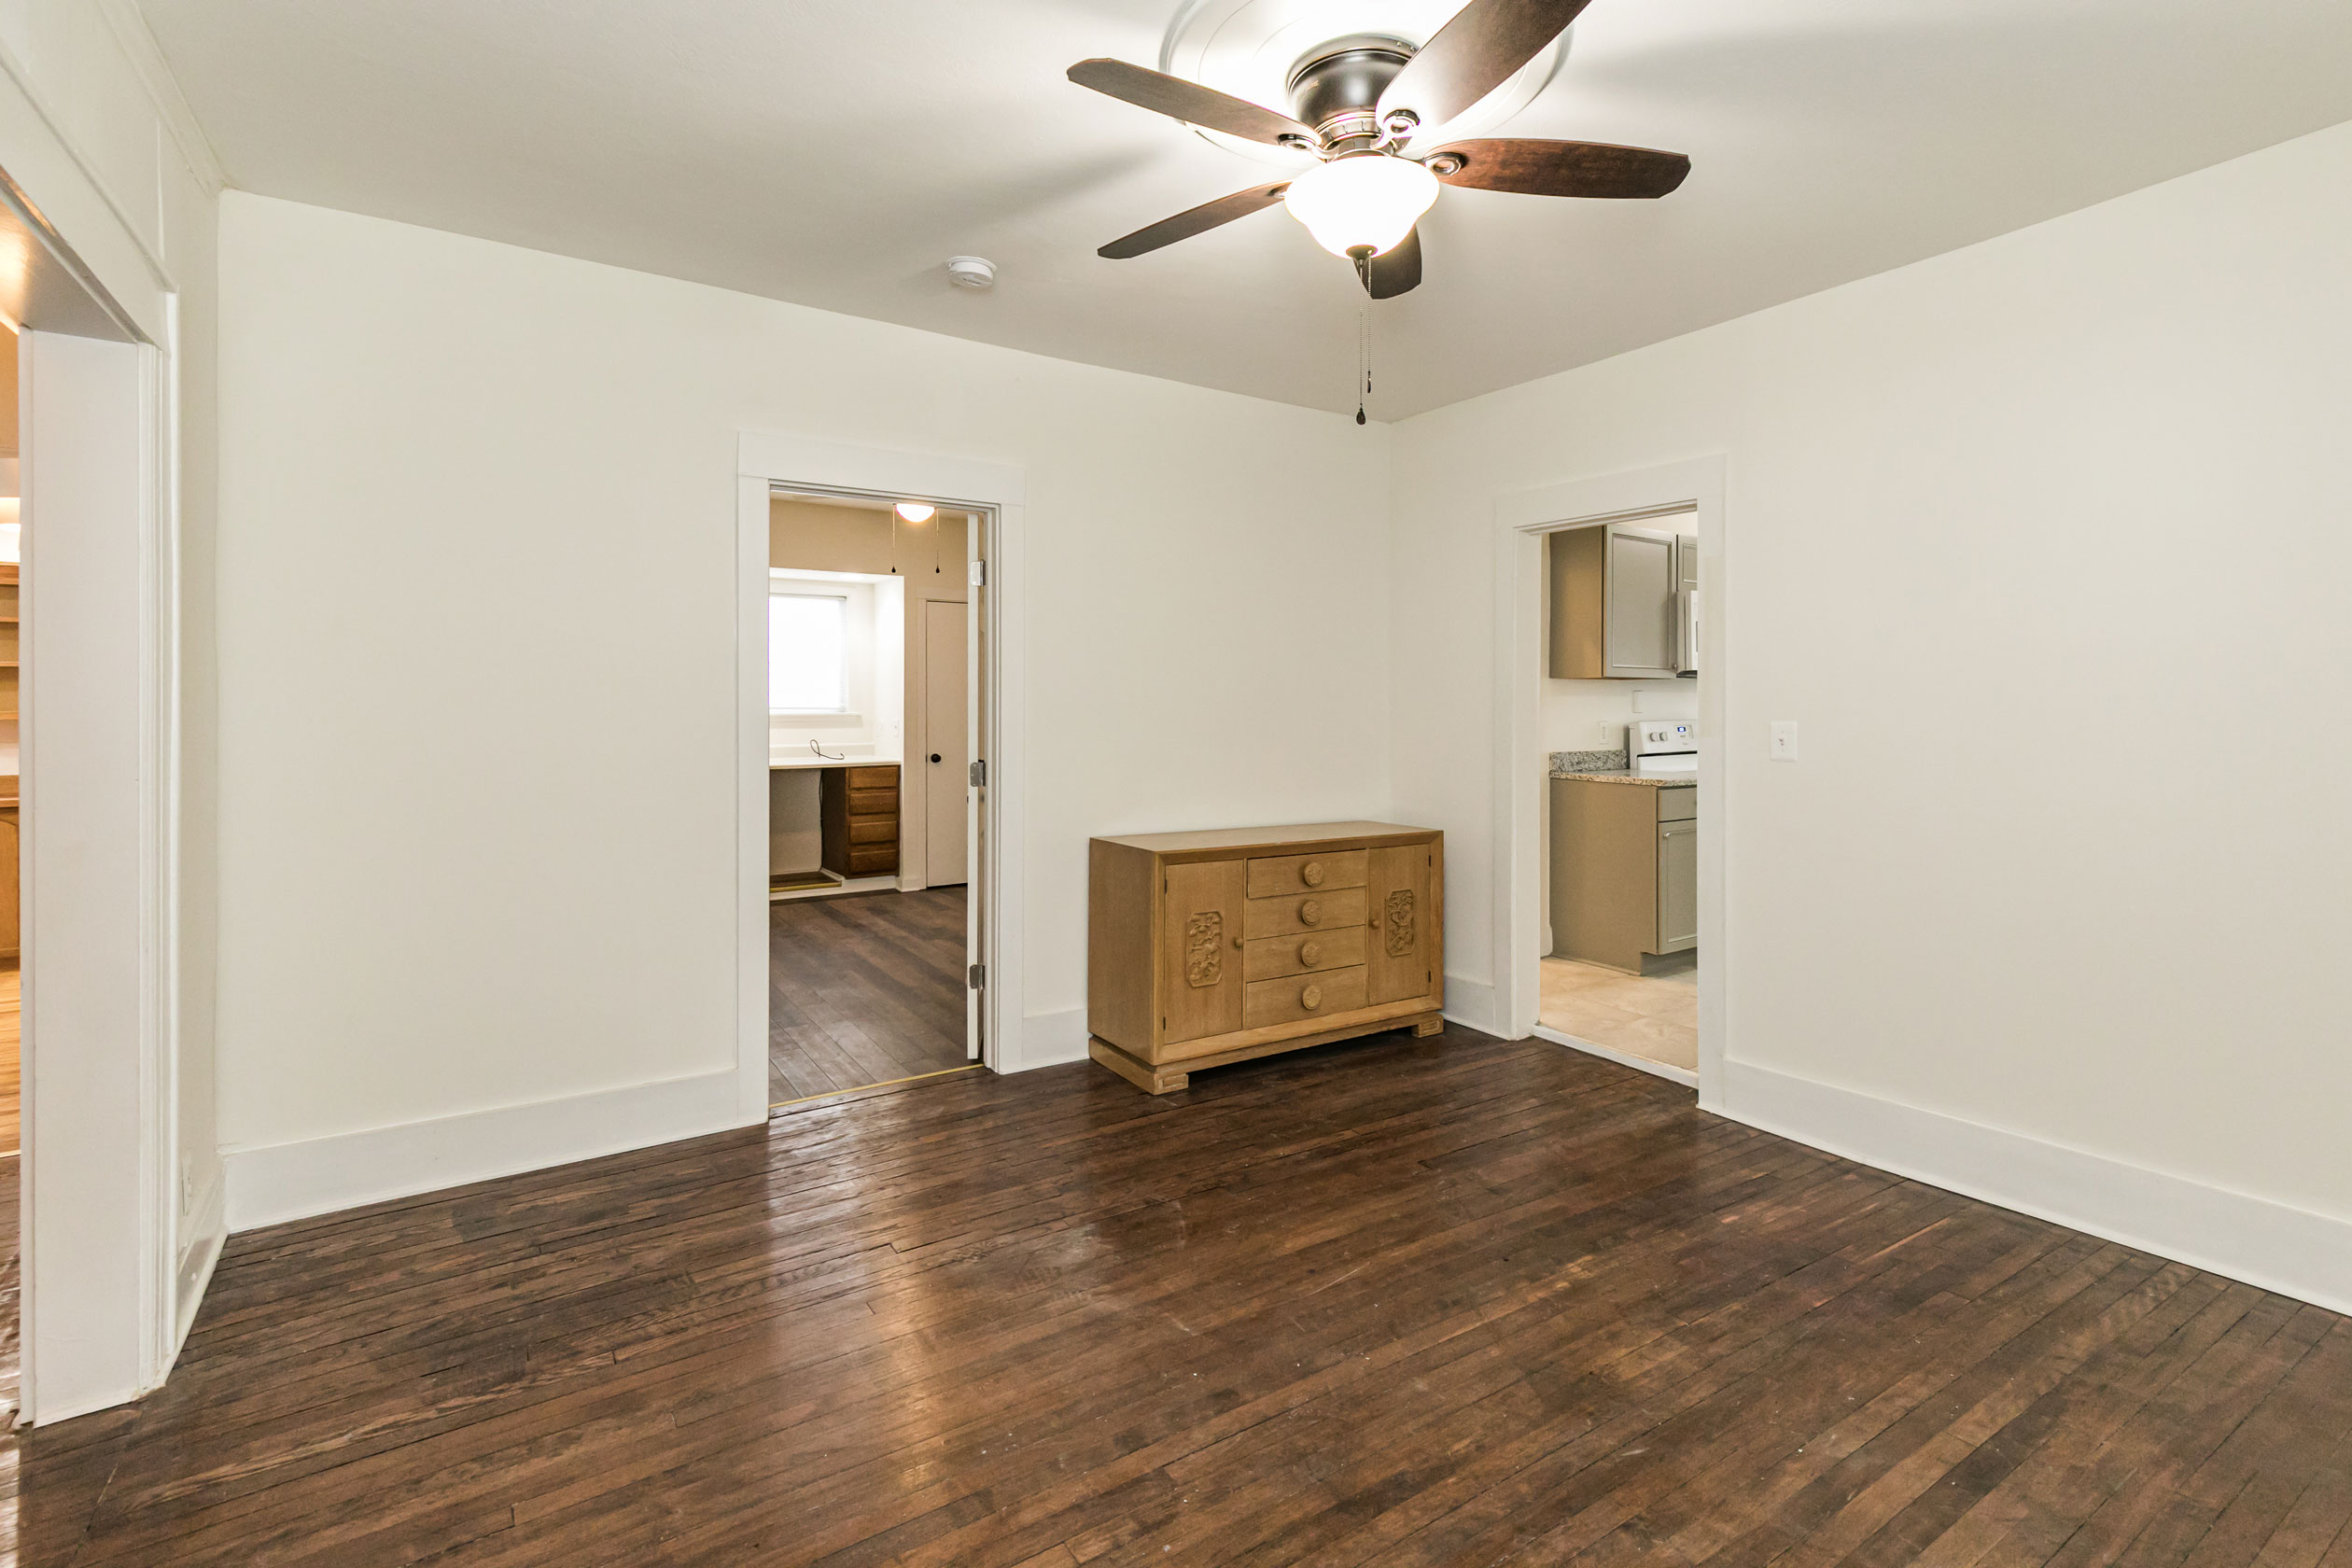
[{"x": 934, "y": 756}]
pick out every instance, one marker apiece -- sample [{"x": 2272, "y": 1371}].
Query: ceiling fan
[{"x": 1356, "y": 103}]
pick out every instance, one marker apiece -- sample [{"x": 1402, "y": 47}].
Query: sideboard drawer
[
  {"x": 1271, "y": 956},
  {"x": 1306, "y": 874},
  {"x": 1289, "y": 915},
  {"x": 1301, "y": 996}
]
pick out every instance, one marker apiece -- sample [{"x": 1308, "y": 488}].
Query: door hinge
[
  {"x": 979, "y": 574},
  {"x": 980, "y": 774},
  {"x": 977, "y": 975}
]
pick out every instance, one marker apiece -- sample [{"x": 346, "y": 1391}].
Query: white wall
[
  {"x": 2043, "y": 542},
  {"x": 93, "y": 129},
  {"x": 463, "y": 483}
]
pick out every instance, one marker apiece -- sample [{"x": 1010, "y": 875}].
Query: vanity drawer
[
  {"x": 874, "y": 802},
  {"x": 1272, "y": 956},
  {"x": 1302, "y": 996},
  {"x": 872, "y": 860},
  {"x": 874, "y": 830},
  {"x": 874, "y": 778},
  {"x": 1306, "y": 874},
  {"x": 1290, "y": 915}
]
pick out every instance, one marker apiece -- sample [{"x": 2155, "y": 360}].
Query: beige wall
[
  {"x": 435, "y": 867},
  {"x": 2043, "y": 543}
]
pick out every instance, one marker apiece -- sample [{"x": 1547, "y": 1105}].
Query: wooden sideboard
[{"x": 1204, "y": 949}]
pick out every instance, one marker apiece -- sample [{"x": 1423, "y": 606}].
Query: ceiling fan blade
[
  {"x": 1477, "y": 51},
  {"x": 1188, "y": 101},
  {"x": 1198, "y": 221},
  {"x": 1395, "y": 269},
  {"x": 1540, "y": 168}
]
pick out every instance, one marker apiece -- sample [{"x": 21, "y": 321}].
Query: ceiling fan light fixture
[{"x": 1362, "y": 201}]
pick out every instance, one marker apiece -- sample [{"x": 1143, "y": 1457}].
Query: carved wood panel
[
  {"x": 1204, "y": 949},
  {"x": 1397, "y": 925}
]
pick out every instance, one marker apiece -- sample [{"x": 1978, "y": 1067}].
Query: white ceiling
[{"x": 835, "y": 152}]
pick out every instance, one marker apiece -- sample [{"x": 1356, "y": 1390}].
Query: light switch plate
[{"x": 1784, "y": 747}]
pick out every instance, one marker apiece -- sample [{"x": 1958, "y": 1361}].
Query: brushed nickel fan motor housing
[{"x": 1336, "y": 86}]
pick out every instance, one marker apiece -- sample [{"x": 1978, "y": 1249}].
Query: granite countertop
[
  {"x": 1627, "y": 776},
  {"x": 1609, "y": 767}
]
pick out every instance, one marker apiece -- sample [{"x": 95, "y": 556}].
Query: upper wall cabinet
[{"x": 1624, "y": 603}]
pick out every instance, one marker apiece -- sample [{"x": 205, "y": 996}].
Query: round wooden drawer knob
[
  {"x": 1310, "y": 913},
  {"x": 1311, "y": 874},
  {"x": 1311, "y": 998},
  {"x": 1310, "y": 952}
]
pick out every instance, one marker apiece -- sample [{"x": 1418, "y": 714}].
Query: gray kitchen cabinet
[
  {"x": 1624, "y": 871},
  {"x": 1620, "y": 605},
  {"x": 1677, "y": 887}
]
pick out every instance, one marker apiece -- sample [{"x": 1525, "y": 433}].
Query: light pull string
[{"x": 1364, "y": 353}]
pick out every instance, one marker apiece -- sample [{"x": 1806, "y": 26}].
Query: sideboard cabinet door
[
  {"x": 1400, "y": 936},
  {"x": 1200, "y": 966}
]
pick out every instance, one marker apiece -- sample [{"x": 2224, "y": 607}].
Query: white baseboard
[
  {"x": 2262, "y": 1242},
  {"x": 208, "y": 1226},
  {"x": 1688, "y": 1080},
  {"x": 282, "y": 1182},
  {"x": 1051, "y": 1039},
  {"x": 1471, "y": 1003}
]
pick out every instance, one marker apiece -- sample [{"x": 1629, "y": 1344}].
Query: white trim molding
[
  {"x": 2256, "y": 1240},
  {"x": 1521, "y": 518},
  {"x": 280, "y": 1182}
]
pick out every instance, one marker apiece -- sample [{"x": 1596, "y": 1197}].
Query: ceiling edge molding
[{"x": 138, "y": 43}]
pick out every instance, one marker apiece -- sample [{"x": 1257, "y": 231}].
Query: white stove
[{"x": 1663, "y": 747}]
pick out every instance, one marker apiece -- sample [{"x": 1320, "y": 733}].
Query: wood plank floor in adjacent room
[
  {"x": 1397, "y": 1302},
  {"x": 863, "y": 988}
]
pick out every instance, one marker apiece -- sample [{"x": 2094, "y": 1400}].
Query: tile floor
[{"x": 1654, "y": 1016}]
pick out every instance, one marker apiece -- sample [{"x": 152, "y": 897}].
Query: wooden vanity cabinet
[
  {"x": 1211, "y": 948},
  {"x": 857, "y": 814}
]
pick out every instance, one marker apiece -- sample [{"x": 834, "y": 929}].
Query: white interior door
[{"x": 946, "y": 718}]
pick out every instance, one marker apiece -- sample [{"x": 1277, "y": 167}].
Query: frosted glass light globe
[{"x": 1369, "y": 198}]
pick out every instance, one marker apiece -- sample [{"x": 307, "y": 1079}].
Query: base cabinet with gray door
[
  {"x": 1624, "y": 602},
  {"x": 1624, "y": 871}
]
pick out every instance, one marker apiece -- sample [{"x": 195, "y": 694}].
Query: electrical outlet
[
  {"x": 1783, "y": 746},
  {"x": 1610, "y": 735},
  {"x": 1637, "y": 699}
]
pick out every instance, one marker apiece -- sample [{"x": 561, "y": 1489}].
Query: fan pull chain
[
  {"x": 894, "y": 526},
  {"x": 1364, "y": 353}
]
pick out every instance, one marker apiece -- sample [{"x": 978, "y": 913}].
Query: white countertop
[{"x": 806, "y": 759}]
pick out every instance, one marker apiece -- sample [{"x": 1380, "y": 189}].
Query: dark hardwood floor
[
  {"x": 863, "y": 988},
  {"x": 1394, "y": 1302}
]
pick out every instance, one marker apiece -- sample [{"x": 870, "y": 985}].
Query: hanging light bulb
[
  {"x": 914, "y": 511},
  {"x": 1365, "y": 201}
]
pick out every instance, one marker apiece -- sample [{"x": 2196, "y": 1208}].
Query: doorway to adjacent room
[{"x": 873, "y": 659}]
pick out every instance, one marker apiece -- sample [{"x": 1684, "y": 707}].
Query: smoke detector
[{"x": 972, "y": 271}]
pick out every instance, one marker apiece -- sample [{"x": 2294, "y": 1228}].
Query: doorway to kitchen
[
  {"x": 875, "y": 681},
  {"x": 1620, "y": 735},
  {"x": 1609, "y": 804}
]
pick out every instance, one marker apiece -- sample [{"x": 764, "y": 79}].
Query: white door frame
[
  {"x": 1521, "y": 520},
  {"x": 995, "y": 493}
]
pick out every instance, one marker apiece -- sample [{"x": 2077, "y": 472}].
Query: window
[{"x": 808, "y": 647}]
